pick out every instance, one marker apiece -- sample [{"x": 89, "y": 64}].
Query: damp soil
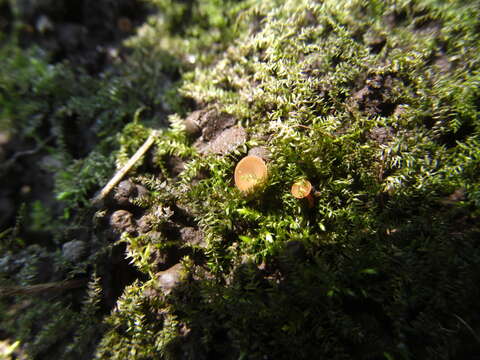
[{"x": 80, "y": 31}]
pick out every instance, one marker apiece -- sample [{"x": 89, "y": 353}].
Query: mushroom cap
[
  {"x": 250, "y": 172},
  {"x": 301, "y": 188}
]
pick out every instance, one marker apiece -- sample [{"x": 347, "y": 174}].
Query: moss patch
[{"x": 377, "y": 105}]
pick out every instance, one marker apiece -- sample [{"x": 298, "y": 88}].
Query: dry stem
[{"x": 126, "y": 168}]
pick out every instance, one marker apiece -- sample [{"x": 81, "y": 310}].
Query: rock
[
  {"x": 165, "y": 258},
  {"x": 207, "y": 121},
  {"x": 227, "y": 141},
  {"x": 192, "y": 123},
  {"x": 123, "y": 192},
  {"x": 184, "y": 211},
  {"x": 381, "y": 135},
  {"x": 261, "y": 152},
  {"x": 25, "y": 190},
  {"x": 142, "y": 191},
  {"x": 375, "y": 97},
  {"x": 40, "y": 261},
  {"x": 400, "y": 110},
  {"x": 219, "y": 136},
  {"x": 50, "y": 163},
  {"x": 213, "y": 122},
  {"x": 43, "y": 24},
  {"x": 169, "y": 279},
  {"x": 192, "y": 236},
  {"x": 443, "y": 63},
  {"x": 455, "y": 197},
  {"x": 126, "y": 191},
  {"x": 175, "y": 165},
  {"x": 144, "y": 224},
  {"x": 375, "y": 41},
  {"x": 4, "y": 263},
  {"x": 4, "y": 138},
  {"x": 122, "y": 220},
  {"x": 74, "y": 250}
]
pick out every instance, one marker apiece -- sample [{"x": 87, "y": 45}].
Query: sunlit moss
[{"x": 376, "y": 104}]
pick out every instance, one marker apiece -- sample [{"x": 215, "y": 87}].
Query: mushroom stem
[{"x": 310, "y": 200}]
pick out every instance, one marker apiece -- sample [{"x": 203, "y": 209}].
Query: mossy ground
[{"x": 375, "y": 103}]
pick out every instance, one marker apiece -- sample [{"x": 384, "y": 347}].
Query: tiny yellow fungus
[
  {"x": 250, "y": 173},
  {"x": 302, "y": 189}
]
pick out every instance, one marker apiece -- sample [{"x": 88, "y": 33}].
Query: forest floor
[{"x": 376, "y": 104}]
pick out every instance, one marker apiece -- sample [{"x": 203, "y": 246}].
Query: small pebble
[
  {"x": 169, "y": 279},
  {"x": 122, "y": 220},
  {"x": 74, "y": 250}
]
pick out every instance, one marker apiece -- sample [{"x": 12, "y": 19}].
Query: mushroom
[
  {"x": 250, "y": 173},
  {"x": 302, "y": 189}
]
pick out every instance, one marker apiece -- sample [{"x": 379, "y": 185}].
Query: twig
[
  {"x": 41, "y": 288},
  {"x": 126, "y": 168},
  {"x": 474, "y": 334},
  {"x": 5, "y": 166}
]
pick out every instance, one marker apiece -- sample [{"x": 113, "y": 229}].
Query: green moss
[
  {"x": 376, "y": 104},
  {"x": 321, "y": 81}
]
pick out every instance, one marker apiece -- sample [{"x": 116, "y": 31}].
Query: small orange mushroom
[
  {"x": 250, "y": 173},
  {"x": 302, "y": 189}
]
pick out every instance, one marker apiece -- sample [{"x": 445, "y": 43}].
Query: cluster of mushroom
[{"x": 251, "y": 174}]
